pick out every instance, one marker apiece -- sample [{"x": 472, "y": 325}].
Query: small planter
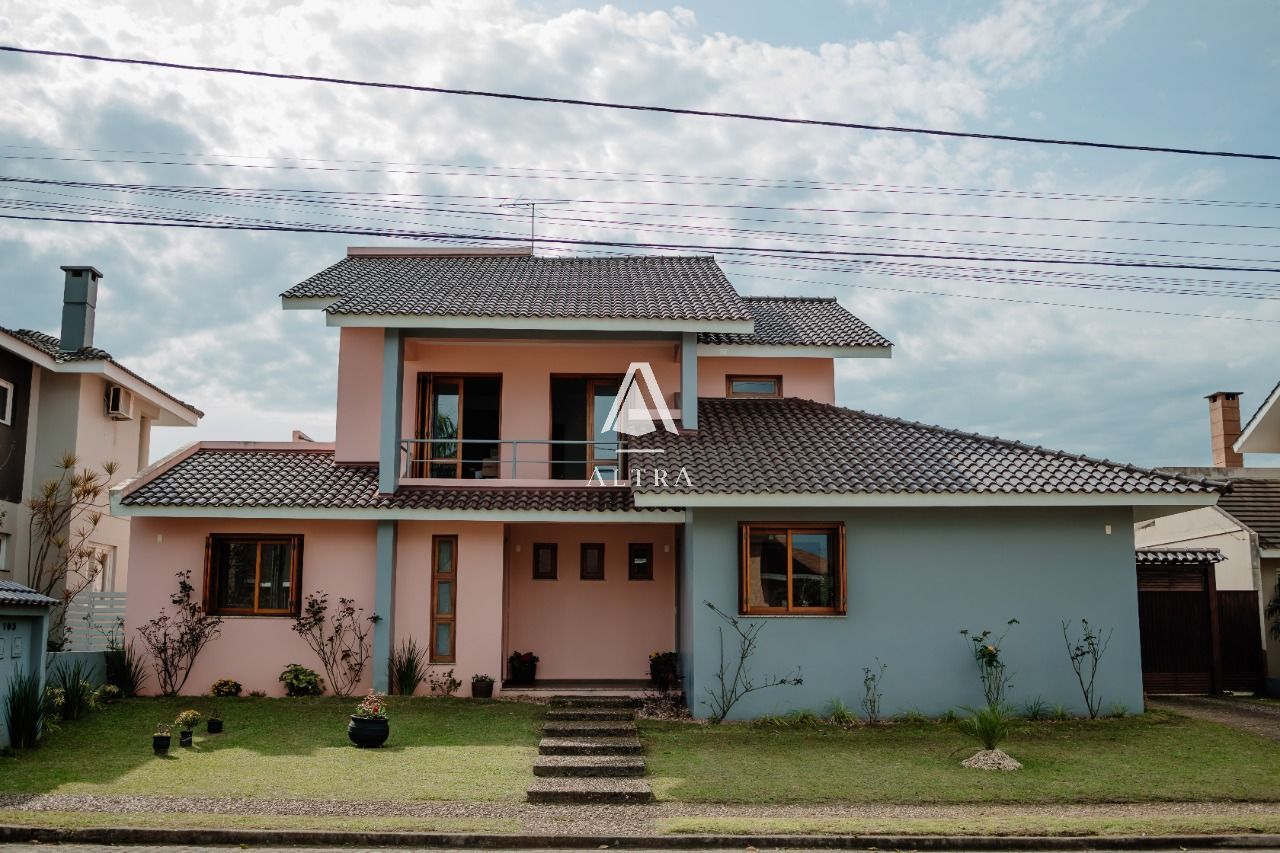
[
  {"x": 184, "y": 738},
  {"x": 160, "y": 744},
  {"x": 368, "y": 733},
  {"x": 214, "y": 727},
  {"x": 662, "y": 672},
  {"x": 524, "y": 673},
  {"x": 482, "y": 689}
]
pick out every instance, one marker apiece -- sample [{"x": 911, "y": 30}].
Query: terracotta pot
[{"x": 368, "y": 733}]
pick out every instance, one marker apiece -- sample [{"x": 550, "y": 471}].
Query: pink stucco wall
[
  {"x": 359, "y": 394},
  {"x": 338, "y": 557},
  {"x": 807, "y": 378},
  {"x": 591, "y": 629},
  {"x": 479, "y": 595}
]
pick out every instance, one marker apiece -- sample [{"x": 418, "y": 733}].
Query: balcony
[{"x": 551, "y": 462}]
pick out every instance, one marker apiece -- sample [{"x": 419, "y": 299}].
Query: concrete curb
[{"x": 339, "y": 838}]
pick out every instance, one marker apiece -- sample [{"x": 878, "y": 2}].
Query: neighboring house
[
  {"x": 60, "y": 395},
  {"x": 1245, "y": 524},
  {"x": 477, "y": 498}
]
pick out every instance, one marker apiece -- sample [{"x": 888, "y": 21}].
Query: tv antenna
[{"x": 532, "y": 206}]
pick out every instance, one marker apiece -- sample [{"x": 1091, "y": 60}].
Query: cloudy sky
[{"x": 1107, "y": 360}]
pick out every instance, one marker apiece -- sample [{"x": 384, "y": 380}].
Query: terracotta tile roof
[
  {"x": 52, "y": 347},
  {"x": 311, "y": 479},
  {"x": 659, "y": 288},
  {"x": 801, "y": 447},
  {"x": 1255, "y": 503},
  {"x": 1177, "y": 556},
  {"x": 799, "y": 321},
  {"x": 13, "y": 593}
]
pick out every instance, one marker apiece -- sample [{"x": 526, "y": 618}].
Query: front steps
[{"x": 590, "y": 753}]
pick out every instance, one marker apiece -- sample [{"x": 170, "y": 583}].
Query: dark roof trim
[{"x": 1178, "y": 556}]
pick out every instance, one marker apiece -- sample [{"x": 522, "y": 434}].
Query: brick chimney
[
  {"x": 1224, "y": 428},
  {"x": 79, "y": 302}
]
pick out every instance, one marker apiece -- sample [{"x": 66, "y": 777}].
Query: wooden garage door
[
  {"x": 1174, "y": 620},
  {"x": 1240, "y": 629}
]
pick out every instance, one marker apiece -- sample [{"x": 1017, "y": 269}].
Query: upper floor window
[
  {"x": 253, "y": 574},
  {"x": 458, "y": 424},
  {"x": 6, "y": 402},
  {"x": 753, "y": 386},
  {"x": 792, "y": 568}
]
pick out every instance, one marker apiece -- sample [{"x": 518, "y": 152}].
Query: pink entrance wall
[
  {"x": 584, "y": 628},
  {"x": 479, "y": 596},
  {"x": 807, "y": 378},
  {"x": 337, "y": 557}
]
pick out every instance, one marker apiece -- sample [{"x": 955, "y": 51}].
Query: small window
[
  {"x": 544, "y": 561},
  {"x": 592, "y": 561},
  {"x": 640, "y": 561},
  {"x": 253, "y": 575},
  {"x": 792, "y": 568},
  {"x": 444, "y": 599},
  {"x": 4, "y": 552},
  {"x": 6, "y": 403},
  {"x": 754, "y": 386}
]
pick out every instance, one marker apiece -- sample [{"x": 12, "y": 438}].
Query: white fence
[{"x": 92, "y": 617}]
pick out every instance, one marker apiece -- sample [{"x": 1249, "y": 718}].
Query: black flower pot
[
  {"x": 160, "y": 744},
  {"x": 662, "y": 674},
  {"x": 482, "y": 689},
  {"x": 368, "y": 733},
  {"x": 215, "y": 727},
  {"x": 184, "y": 738},
  {"x": 524, "y": 673}
]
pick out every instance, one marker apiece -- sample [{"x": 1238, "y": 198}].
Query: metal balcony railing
[{"x": 512, "y": 459}]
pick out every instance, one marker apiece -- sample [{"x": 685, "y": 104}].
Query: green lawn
[
  {"x": 1152, "y": 757},
  {"x": 440, "y": 749}
]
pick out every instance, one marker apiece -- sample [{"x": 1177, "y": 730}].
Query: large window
[
  {"x": 792, "y": 568},
  {"x": 253, "y": 575},
  {"x": 444, "y": 599},
  {"x": 458, "y": 425},
  {"x": 753, "y": 386},
  {"x": 579, "y": 409},
  {"x": 6, "y": 402}
]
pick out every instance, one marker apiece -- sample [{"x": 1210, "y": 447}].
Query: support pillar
[
  {"x": 392, "y": 408},
  {"x": 689, "y": 380},
  {"x": 384, "y": 596}
]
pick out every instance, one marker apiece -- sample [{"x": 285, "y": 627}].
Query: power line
[{"x": 579, "y": 102}]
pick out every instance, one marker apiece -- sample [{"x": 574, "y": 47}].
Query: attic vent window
[
  {"x": 6, "y": 403},
  {"x": 754, "y": 386}
]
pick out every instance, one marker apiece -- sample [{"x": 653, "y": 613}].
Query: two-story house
[
  {"x": 61, "y": 395},
  {"x": 575, "y": 456}
]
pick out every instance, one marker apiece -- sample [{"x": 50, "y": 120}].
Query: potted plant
[
  {"x": 662, "y": 669},
  {"x": 214, "y": 723},
  {"x": 369, "y": 727},
  {"x": 186, "y": 721},
  {"x": 482, "y": 686},
  {"x": 225, "y": 687},
  {"x": 160, "y": 739},
  {"x": 522, "y": 667}
]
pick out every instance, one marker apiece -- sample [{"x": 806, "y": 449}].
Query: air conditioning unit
[{"x": 119, "y": 403}]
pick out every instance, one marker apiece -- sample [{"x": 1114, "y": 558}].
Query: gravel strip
[
  {"x": 592, "y": 819},
  {"x": 1254, "y": 717}
]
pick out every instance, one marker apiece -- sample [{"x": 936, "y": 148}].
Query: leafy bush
[
  {"x": 72, "y": 678},
  {"x": 27, "y": 710},
  {"x": 988, "y": 726},
  {"x": 225, "y": 687},
  {"x": 126, "y": 669},
  {"x": 298, "y": 680},
  {"x": 442, "y": 684},
  {"x": 340, "y": 640},
  {"x": 175, "y": 641},
  {"x": 986, "y": 649},
  {"x": 407, "y": 668},
  {"x": 106, "y": 694}
]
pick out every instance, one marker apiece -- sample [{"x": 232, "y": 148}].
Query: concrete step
[
  {"x": 590, "y": 746},
  {"x": 589, "y": 728},
  {"x": 593, "y": 702},
  {"x": 614, "y": 714},
  {"x": 588, "y": 765},
  {"x": 589, "y": 790}
]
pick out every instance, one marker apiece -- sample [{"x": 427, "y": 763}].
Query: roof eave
[
  {"x": 1262, "y": 433},
  {"x": 574, "y": 324},
  {"x": 650, "y": 516},
  {"x": 792, "y": 351},
  {"x": 1150, "y": 505}
]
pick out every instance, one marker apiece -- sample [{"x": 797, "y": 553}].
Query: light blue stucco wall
[{"x": 915, "y": 579}]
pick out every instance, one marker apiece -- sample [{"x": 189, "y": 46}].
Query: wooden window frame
[
  {"x": 421, "y": 458},
  {"x": 6, "y": 411},
  {"x": 555, "y": 561},
  {"x": 632, "y": 549},
  {"x": 212, "y": 573},
  {"x": 729, "y": 379},
  {"x": 437, "y": 618},
  {"x": 582, "y": 560},
  {"x": 746, "y": 528}
]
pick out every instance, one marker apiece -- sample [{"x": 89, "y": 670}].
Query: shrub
[
  {"x": 72, "y": 678},
  {"x": 733, "y": 679},
  {"x": 258, "y": 694},
  {"x": 106, "y": 694},
  {"x": 1086, "y": 654},
  {"x": 1035, "y": 710},
  {"x": 988, "y": 726},
  {"x": 340, "y": 639},
  {"x": 913, "y": 717},
  {"x": 949, "y": 717},
  {"x": 839, "y": 714},
  {"x": 27, "y": 710},
  {"x": 225, "y": 687},
  {"x": 986, "y": 648},
  {"x": 126, "y": 669},
  {"x": 175, "y": 641},
  {"x": 871, "y": 694},
  {"x": 187, "y": 720},
  {"x": 442, "y": 684},
  {"x": 1116, "y": 711},
  {"x": 407, "y": 668},
  {"x": 298, "y": 680},
  {"x": 1060, "y": 713}
]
